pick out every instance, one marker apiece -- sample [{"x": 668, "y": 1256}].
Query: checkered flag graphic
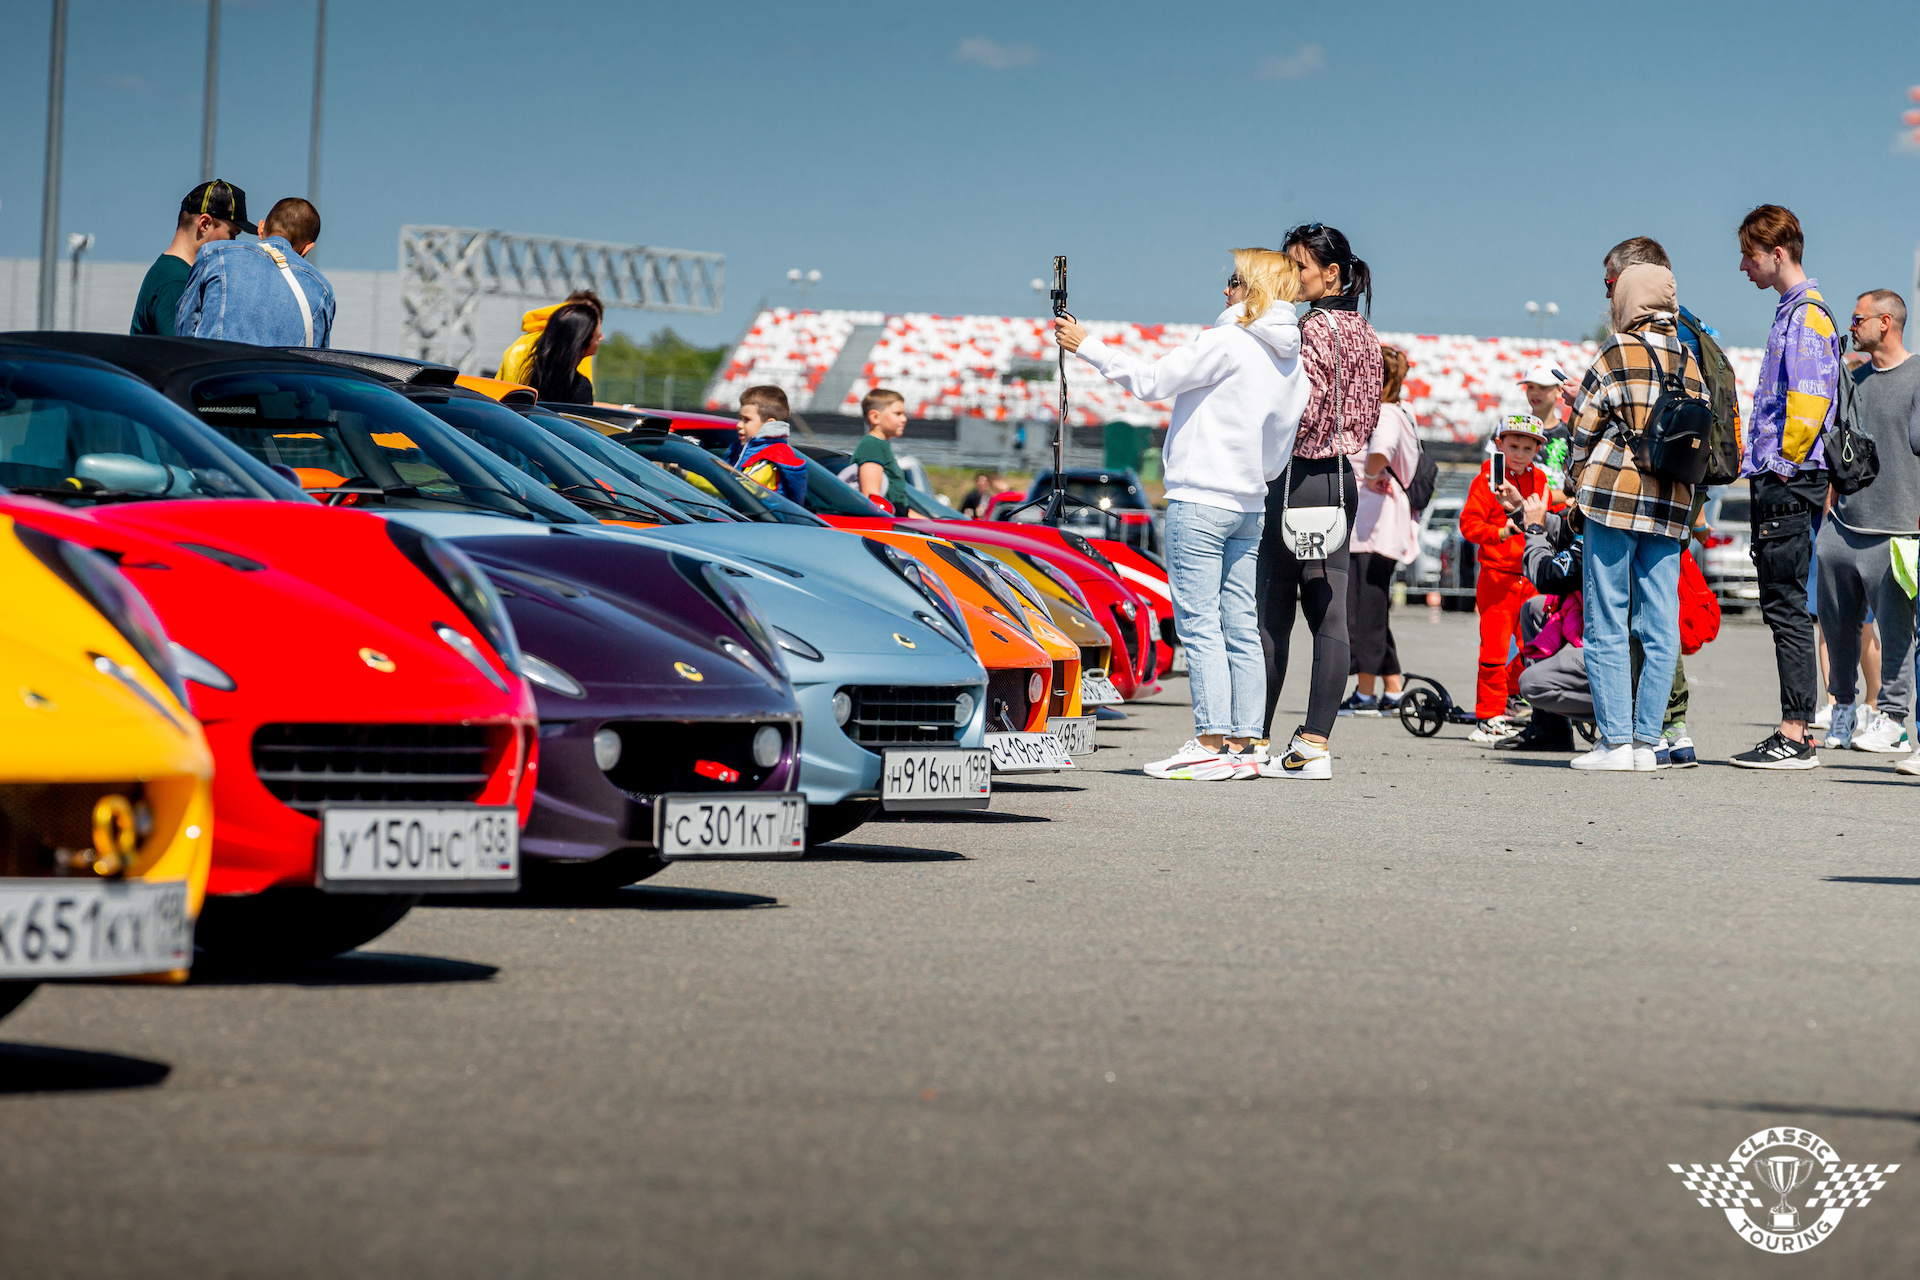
[
  {"x": 1849, "y": 1187},
  {"x": 1718, "y": 1186}
]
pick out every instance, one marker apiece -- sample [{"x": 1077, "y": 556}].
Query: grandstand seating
[{"x": 976, "y": 366}]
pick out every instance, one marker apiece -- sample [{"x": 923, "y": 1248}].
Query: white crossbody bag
[
  {"x": 293, "y": 283},
  {"x": 1314, "y": 533}
]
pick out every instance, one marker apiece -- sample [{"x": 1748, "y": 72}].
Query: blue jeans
[
  {"x": 1212, "y": 554},
  {"x": 1632, "y": 588}
]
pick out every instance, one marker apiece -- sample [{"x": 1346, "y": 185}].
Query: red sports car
[{"x": 358, "y": 681}]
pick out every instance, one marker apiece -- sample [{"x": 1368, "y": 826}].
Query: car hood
[{"x": 314, "y": 613}]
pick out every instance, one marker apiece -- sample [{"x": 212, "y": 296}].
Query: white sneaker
[
  {"x": 1258, "y": 749},
  {"x": 1824, "y": 716},
  {"x": 1881, "y": 733},
  {"x": 1910, "y": 766},
  {"x": 1488, "y": 732},
  {"x": 1609, "y": 759},
  {"x": 1646, "y": 759},
  {"x": 1840, "y": 728},
  {"x": 1244, "y": 765},
  {"x": 1192, "y": 763},
  {"x": 1303, "y": 760}
]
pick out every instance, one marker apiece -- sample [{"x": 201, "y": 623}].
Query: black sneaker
[
  {"x": 1538, "y": 737},
  {"x": 1779, "y": 752},
  {"x": 1359, "y": 704}
]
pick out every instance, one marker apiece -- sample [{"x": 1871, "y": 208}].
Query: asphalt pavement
[{"x": 1451, "y": 1014}]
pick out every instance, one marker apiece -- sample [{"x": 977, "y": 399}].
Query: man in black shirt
[{"x": 212, "y": 211}]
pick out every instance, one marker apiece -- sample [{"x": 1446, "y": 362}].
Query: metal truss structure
[{"x": 445, "y": 271}]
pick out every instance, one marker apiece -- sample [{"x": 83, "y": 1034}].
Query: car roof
[{"x": 158, "y": 360}]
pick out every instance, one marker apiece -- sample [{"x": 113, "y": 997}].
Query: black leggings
[
  {"x": 1318, "y": 586},
  {"x": 1369, "y": 598}
]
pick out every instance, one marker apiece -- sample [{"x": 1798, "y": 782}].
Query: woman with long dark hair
[
  {"x": 572, "y": 334},
  {"x": 1303, "y": 553}
]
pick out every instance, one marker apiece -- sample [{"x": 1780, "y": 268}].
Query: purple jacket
[{"x": 1799, "y": 381}]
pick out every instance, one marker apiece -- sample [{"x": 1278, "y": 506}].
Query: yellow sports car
[{"x": 106, "y": 816}]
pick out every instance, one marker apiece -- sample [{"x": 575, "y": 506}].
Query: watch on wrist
[{"x": 1536, "y": 529}]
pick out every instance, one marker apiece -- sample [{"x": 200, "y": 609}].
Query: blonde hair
[{"x": 1270, "y": 277}]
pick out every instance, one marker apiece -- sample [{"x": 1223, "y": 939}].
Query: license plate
[
  {"x": 1027, "y": 752},
  {"x": 1097, "y": 691},
  {"x": 59, "y": 928},
  {"x": 378, "y": 849},
  {"x": 936, "y": 779},
  {"x": 1075, "y": 733},
  {"x": 719, "y": 825}
]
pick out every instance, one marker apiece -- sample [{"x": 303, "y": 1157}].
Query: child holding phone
[{"x": 1492, "y": 521}]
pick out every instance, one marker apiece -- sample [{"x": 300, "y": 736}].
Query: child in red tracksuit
[{"x": 1491, "y": 521}]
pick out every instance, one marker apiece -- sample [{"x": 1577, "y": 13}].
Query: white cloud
[
  {"x": 995, "y": 56},
  {"x": 1305, "y": 61}
]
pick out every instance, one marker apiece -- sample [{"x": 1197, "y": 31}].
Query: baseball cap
[
  {"x": 1544, "y": 375},
  {"x": 1520, "y": 424},
  {"x": 223, "y": 200}
]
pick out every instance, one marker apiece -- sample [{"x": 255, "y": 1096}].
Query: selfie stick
[{"x": 1056, "y": 502}]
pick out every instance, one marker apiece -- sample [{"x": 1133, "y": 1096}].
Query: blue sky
[{"x": 937, "y": 156}]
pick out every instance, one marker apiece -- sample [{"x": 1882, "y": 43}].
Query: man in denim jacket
[{"x": 265, "y": 293}]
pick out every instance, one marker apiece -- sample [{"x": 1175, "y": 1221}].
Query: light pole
[
  {"x": 803, "y": 280},
  {"x": 78, "y": 242},
  {"x": 1540, "y": 314},
  {"x": 212, "y": 90},
  {"x": 50, "y": 192},
  {"x": 319, "y": 80}
]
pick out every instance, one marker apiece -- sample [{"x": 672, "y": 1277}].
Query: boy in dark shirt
[{"x": 211, "y": 211}]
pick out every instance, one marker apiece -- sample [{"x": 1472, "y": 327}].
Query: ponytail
[{"x": 1328, "y": 247}]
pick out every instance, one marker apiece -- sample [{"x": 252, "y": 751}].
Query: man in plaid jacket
[{"x": 1636, "y": 524}]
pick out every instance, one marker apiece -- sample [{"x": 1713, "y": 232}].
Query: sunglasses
[
  {"x": 1859, "y": 320},
  {"x": 1235, "y": 282}
]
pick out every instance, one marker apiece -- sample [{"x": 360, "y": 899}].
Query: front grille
[
  {"x": 46, "y": 828},
  {"x": 1057, "y": 703},
  {"x": 657, "y": 757},
  {"x": 1007, "y": 700},
  {"x": 1129, "y": 632},
  {"x": 887, "y": 715},
  {"x": 306, "y": 766}
]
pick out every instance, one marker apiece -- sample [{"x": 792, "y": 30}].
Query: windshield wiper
[
  {"x": 92, "y": 495},
  {"x": 590, "y": 499}
]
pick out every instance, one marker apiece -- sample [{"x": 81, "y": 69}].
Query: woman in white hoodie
[{"x": 1238, "y": 392}]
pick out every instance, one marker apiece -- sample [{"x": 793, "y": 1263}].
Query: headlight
[
  {"x": 842, "y": 708},
  {"x": 795, "y": 645},
  {"x": 449, "y": 569},
  {"x": 548, "y": 676},
  {"x": 712, "y": 580},
  {"x": 199, "y": 670},
  {"x": 951, "y": 622},
  {"x": 963, "y": 709},
  {"x": 1059, "y": 579},
  {"x": 1036, "y": 688},
  {"x": 1129, "y": 610},
  {"x": 463, "y": 645},
  {"x": 606, "y": 749},
  {"x": 766, "y": 746},
  {"x": 95, "y": 577}
]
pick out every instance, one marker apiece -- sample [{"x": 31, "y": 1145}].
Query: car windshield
[
  {"x": 707, "y": 473},
  {"x": 573, "y": 475},
  {"x": 930, "y": 505},
  {"x": 85, "y": 435},
  {"x": 662, "y": 484},
  {"x": 1101, "y": 491},
  {"x": 368, "y": 446}
]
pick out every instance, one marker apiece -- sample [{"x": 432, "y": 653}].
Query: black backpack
[
  {"x": 1725, "y": 451},
  {"x": 1426, "y": 475},
  {"x": 1853, "y": 461},
  {"x": 1673, "y": 445}
]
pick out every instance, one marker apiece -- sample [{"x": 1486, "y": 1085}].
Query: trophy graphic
[{"x": 1783, "y": 1174}]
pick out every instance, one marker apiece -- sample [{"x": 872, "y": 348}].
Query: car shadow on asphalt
[
  {"x": 1901, "y": 880},
  {"x": 1806, "y": 1109},
  {"x": 1034, "y": 787},
  {"x": 38, "y": 1068},
  {"x": 354, "y": 969},
  {"x": 881, "y": 853},
  {"x": 634, "y": 897}
]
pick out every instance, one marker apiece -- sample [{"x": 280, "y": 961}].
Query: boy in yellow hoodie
[{"x": 519, "y": 354}]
